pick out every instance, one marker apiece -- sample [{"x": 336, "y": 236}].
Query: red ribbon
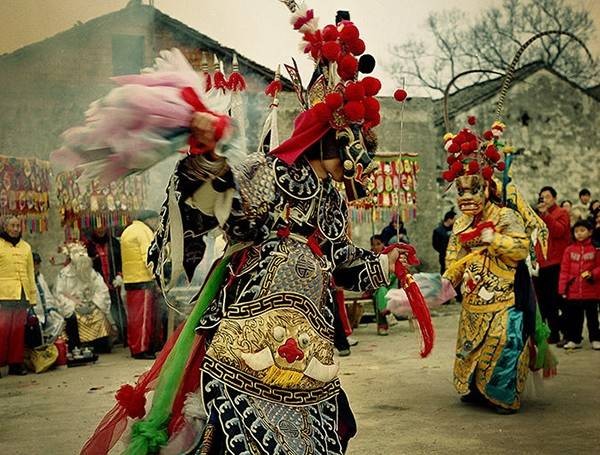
[{"x": 220, "y": 125}]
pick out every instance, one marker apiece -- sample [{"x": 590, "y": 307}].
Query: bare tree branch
[{"x": 492, "y": 41}]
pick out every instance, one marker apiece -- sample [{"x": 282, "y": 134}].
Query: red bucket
[{"x": 62, "y": 352}]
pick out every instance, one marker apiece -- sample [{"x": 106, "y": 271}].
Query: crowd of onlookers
[
  {"x": 84, "y": 312},
  {"x": 568, "y": 280}
]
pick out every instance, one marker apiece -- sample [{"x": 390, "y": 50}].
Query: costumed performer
[
  {"x": 261, "y": 377},
  {"x": 80, "y": 291}
]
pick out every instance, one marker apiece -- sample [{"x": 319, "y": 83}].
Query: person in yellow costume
[
  {"x": 142, "y": 317},
  {"x": 17, "y": 293},
  {"x": 486, "y": 255}
]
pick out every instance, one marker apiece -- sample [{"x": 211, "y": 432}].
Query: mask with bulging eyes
[{"x": 472, "y": 194}]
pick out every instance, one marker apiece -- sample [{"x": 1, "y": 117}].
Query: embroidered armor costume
[
  {"x": 263, "y": 361},
  {"x": 498, "y": 327},
  {"x": 489, "y": 347},
  {"x": 269, "y": 366}
]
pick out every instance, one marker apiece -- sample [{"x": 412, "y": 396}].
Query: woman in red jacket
[{"x": 579, "y": 284}]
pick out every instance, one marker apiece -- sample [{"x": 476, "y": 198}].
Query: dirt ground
[{"x": 403, "y": 404}]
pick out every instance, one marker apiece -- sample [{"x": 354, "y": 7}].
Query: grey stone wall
[{"x": 557, "y": 127}]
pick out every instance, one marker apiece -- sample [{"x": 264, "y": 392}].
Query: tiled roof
[{"x": 151, "y": 14}]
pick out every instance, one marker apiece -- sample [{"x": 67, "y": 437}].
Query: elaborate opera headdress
[{"x": 337, "y": 101}]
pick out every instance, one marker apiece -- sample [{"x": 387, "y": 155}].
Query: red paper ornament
[
  {"x": 400, "y": 95},
  {"x": 501, "y": 166},
  {"x": 488, "y": 135},
  {"x": 454, "y": 147},
  {"x": 471, "y": 120}
]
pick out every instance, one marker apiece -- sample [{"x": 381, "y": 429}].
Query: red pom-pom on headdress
[
  {"x": 331, "y": 50},
  {"x": 371, "y": 105},
  {"x": 372, "y": 85},
  {"x": 349, "y": 32},
  {"x": 357, "y": 47},
  {"x": 330, "y": 33},
  {"x": 354, "y": 91},
  {"x": 487, "y": 172},
  {"x": 347, "y": 67},
  {"x": 354, "y": 111},
  {"x": 334, "y": 101}
]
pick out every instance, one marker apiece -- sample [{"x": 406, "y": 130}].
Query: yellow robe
[{"x": 489, "y": 327}]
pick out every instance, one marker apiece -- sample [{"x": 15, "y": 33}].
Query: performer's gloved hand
[
  {"x": 487, "y": 235},
  {"x": 207, "y": 129},
  {"x": 117, "y": 282},
  {"x": 400, "y": 257}
]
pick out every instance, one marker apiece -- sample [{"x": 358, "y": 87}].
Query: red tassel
[
  {"x": 417, "y": 302},
  {"x": 219, "y": 80},
  {"x": 419, "y": 309},
  {"x": 114, "y": 423},
  {"x": 476, "y": 232},
  {"x": 207, "y": 81},
  {"x": 236, "y": 82},
  {"x": 273, "y": 88}
]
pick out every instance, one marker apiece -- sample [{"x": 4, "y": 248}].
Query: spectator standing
[
  {"x": 441, "y": 236},
  {"x": 596, "y": 232},
  {"x": 581, "y": 209},
  {"x": 594, "y": 207},
  {"x": 579, "y": 284},
  {"x": 142, "y": 312},
  {"x": 17, "y": 293},
  {"x": 568, "y": 206},
  {"x": 559, "y": 236},
  {"x": 105, "y": 251}
]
